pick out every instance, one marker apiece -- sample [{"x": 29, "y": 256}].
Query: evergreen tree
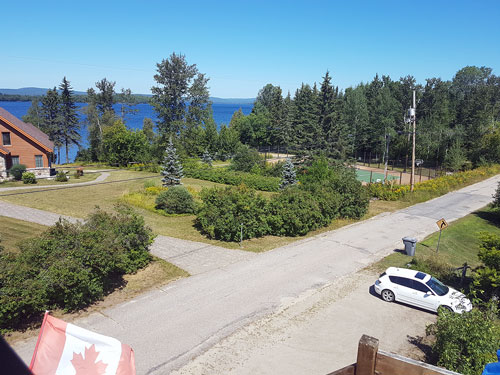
[
  {"x": 307, "y": 133},
  {"x": 105, "y": 97},
  {"x": 69, "y": 119},
  {"x": 172, "y": 168},
  {"x": 148, "y": 129},
  {"x": 51, "y": 119},
  {"x": 288, "y": 175},
  {"x": 207, "y": 158}
]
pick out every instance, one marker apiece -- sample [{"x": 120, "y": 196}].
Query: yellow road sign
[{"x": 442, "y": 224}]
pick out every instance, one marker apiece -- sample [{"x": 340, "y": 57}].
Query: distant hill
[{"x": 37, "y": 91}]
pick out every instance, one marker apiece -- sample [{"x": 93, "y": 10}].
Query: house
[{"x": 23, "y": 143}]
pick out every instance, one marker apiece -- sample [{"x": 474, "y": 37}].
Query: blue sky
[{"x": 243, "y": 45}]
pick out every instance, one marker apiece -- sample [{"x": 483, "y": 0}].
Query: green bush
[
  {"x": 71, "y": 265},
  {"x": 176, "y": 200},
  {"x": 17, "y": 171},
  {"x": 224, "y": 210},
  {"x": 29, "y": 178},
  {"x": 486, "y": 283},
  {"x": 245, "y": 159},
  {"x": 61, "y": 177},
  {"x": 224, "y": 176},
  {"x": 465, "y": 342},
  {"x": 294, "y": 212}
]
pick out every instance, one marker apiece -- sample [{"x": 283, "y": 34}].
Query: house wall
[
  {"x": 3, "y": 168},
  {"x": 23, "y": 147}
]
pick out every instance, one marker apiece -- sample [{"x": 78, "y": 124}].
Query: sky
[{"x": 243, "y": 45}]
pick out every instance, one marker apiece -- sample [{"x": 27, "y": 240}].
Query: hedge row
[
  {"x": 71, "y": 265},
  {"x": 435, "y": 187},
  {"x": 224, "y": 176}
]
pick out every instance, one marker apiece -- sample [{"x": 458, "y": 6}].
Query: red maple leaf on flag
[{"x": 88, "y": 365}]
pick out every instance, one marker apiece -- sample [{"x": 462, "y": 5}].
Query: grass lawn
[
  {"x": 45, "y": 182},
  {"x": 81, "y": 201},
  {"x": 459, "y": 242},
  {"x": 12, "y": 231}
]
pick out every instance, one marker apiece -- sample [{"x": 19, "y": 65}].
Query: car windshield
[{"x": 437, "y": 286}]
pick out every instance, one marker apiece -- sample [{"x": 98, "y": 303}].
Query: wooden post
[
  {"x": 420, "y": 175},
  {"x": 367, "y": 355},
  {"x": 371, "y": 173},
  {"x": 401, "y": 178}
]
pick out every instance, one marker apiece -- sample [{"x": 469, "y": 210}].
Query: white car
[{"x": 419, "y": 289}]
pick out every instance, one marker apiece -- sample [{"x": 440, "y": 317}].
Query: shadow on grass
[{"x": 490, "y": 215}]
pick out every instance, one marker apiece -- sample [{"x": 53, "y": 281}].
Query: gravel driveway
[{"x": 317, "y": 334}]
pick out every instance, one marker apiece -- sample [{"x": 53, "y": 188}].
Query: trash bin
[{"x": 410, "y": 245}]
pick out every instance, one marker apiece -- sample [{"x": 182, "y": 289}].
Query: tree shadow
[
  {"x": 492, "y": 216},
  {"x": 420, "y": 343}
]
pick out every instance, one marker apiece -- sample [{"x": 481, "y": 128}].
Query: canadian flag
[{"x": 65, "y": 349}]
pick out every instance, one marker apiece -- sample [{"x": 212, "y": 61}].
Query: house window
[
  {"x": 15, "y": 160},
  {"x": 38, "y": 161},
  {"x": 6, "y": 139}
]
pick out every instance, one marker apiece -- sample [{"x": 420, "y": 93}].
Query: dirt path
[{"x": 317, "y": 334}]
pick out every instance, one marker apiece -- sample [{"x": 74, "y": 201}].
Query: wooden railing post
[{"x": 367, "y": 355}]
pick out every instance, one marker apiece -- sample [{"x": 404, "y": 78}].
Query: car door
[
  {"x": 402, "y": 288},
  {"x": 423, "y": 297}
]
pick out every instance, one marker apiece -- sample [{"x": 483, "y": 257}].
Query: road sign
[
  {"x": 419, "y": 162},
  {"x": 442, "y": 224}
]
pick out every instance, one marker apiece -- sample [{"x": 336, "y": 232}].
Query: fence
[{"x": 371, "y": 361}]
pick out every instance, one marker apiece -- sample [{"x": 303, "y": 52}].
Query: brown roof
[
  {"x": 4, "y": 151},
  {"x": 28, "y": 130}
]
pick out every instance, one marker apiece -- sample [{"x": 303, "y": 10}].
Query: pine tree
[
  {"x": 288, "y": 175},
  {"x": 207, "y": 158},
  {"x": 69, "y": 119},
  {"x": 51, "y": 119},
  {"x": 172, "y": 169}
]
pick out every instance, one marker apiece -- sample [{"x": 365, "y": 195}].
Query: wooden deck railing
[{"x": 371, "y": 361}]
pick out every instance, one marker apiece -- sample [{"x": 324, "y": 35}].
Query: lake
[{"x": 222, "y": 115}]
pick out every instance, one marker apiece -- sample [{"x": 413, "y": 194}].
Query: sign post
[{"x": 442, "y": 224}]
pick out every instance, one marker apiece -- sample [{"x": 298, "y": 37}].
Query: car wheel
[
  {"x": 445, "y": 308},
  {"x": 387, "y": 295}
]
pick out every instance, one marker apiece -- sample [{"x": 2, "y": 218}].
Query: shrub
[
  {"x": 465, "y": 342},
  {"x": 223, "y": 176},
  {"x": 354, "y": 199},
  {"x": 224, "y": 210},
  {"x": 176, "y": 200},
  {"x": 29, "y": 178},
  {"x": 486, "y": 284},
  {"x": 61, "y": 177},
  {"x": 71, "y": 265},
  {"x": 245, "y": 159},
  {"x": 294, "y": 212},
  {"x": 17, "y": 171}
]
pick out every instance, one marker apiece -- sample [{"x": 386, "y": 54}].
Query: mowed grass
[
  {"x": 45, "y": 182},
  {"x": 12, "y": 231},
  {"x": 459, "y": 242},
  {"x": 81, "y": 201}
]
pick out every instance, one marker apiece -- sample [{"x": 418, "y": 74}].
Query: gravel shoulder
[{"x": 317, "y": 333}]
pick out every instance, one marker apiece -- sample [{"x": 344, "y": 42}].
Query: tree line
[{"x": 457, "y": 120}]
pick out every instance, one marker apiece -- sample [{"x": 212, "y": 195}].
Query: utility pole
[{"x": 413, "y": 116}]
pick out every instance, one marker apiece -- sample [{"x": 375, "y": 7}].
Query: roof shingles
[{"x": 27, "y": 128}]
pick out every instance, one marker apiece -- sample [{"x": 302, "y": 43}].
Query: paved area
[
  {"x": 103, "y": 176},
  {"x": 196, "y": 257},
  {"x": 31, "y": 214},
  {"x": 191, "y": 256},
  {"x": 171, "y": 326},
  {"x": 317, "y": 334}
]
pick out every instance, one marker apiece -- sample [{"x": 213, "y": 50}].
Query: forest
[{"x": 457, "y": 121}]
